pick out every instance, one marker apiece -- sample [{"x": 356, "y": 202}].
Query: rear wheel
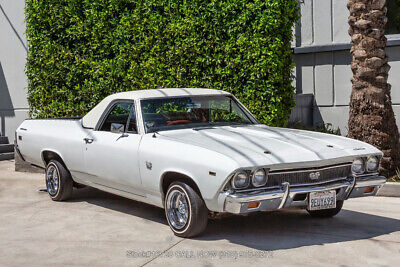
[
  {"x": 58, "y": 181},
  {"x": 328, "y": 212},
  {"x": 185, "y": 210}
]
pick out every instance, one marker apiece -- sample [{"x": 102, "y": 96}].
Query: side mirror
[
  {"x": 150, "y": 124},
  {"x": 117, "y": 128}
]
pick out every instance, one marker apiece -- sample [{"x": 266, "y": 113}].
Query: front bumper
[{"x": 297, "y": 196}]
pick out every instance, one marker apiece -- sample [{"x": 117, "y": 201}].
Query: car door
[{"x": 111, "y": 149}]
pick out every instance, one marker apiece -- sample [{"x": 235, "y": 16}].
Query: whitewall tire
[{"x": 185, "y": 210}]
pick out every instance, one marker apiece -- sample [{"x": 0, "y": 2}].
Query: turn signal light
[
  {"x": 253, "y": 205},
  {"x": 369, "y": 190}
]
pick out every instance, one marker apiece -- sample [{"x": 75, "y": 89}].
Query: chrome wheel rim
[
  {"x": 52, "y": 180},
  {"x": 177, "y": 209}
]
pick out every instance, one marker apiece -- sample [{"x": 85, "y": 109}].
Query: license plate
[{"x": 322, "y": 200}]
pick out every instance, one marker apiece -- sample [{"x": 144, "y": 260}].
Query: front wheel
[
  {"x": 328, "y": 212},
  {"x": 185, "y": 210}
]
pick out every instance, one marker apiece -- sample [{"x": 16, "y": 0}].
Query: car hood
[{"x": 259, "y": 145}]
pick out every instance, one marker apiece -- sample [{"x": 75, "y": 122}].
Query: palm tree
[{"x": 371, "y": 115}]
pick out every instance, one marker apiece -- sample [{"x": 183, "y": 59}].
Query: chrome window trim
[
  {"x": 246, "y": 112},
  {"x": 108, "y": 110}
]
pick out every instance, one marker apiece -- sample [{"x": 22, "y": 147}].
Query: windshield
[{"x": 192, "y": 111}]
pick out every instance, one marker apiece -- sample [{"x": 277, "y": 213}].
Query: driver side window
[{"x": 117, "y": 119}]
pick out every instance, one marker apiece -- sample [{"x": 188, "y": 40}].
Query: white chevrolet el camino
[{"x": 196, "y": 151}]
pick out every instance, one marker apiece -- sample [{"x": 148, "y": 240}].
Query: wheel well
[
  {"x": 170, "y": 177},
  {"x": 49, "y": 155}
]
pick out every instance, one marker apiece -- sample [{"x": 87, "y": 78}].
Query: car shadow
[
  {"x": 271, "y": 231},
  {"x": 267, "y": 231},
  {"x": 113, "y": 202}
]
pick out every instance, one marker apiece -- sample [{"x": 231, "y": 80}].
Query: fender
[
  {"x": 52, "y": 151},
  {"x": 186, "y": 173}
]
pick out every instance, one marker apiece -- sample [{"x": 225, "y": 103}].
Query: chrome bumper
[{"x": 297, "y": 196}]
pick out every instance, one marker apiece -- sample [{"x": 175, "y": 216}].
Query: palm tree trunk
[{"x": 371, "y": 115}]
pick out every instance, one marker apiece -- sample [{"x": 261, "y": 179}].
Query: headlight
[
  {"x": 372, "y": 164},
  {"x": 259, "y": 178},
  {"x": 358, "y": 166},
  {"x": 240, "y": 180}
]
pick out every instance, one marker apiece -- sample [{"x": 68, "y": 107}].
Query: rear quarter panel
[{"x": 64, "y": 137}]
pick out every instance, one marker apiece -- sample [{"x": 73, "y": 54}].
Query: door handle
[{"x": 88, "y": 140}]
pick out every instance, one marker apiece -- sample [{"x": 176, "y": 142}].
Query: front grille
[{"x": 294, "y": 177}]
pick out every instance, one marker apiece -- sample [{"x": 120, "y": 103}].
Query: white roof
[{"x": 92, "y": 117}]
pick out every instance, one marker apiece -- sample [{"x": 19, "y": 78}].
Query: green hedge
[{"x": 83, "y": 50}]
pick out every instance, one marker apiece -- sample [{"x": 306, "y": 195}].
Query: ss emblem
[{"x": 314, "y": 175}]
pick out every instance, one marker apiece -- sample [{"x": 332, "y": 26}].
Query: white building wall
[
  {"x": 13, "y": 82},
  {"x": 322, "y": 56}
]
